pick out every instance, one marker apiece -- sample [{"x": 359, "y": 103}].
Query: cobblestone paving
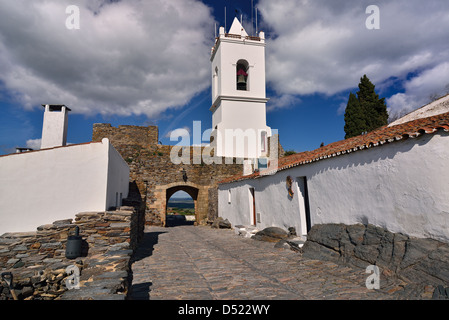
[{"x": 201, "y": 263}]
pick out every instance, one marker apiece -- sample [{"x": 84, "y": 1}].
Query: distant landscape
[{"x": 181, "y": 206}]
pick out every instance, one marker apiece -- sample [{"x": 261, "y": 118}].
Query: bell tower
[{"x": 239, "y": 100}]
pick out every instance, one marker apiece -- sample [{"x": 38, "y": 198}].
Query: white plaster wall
[
  {"x": 402, "y": 186},
  {"x": 435, "y": 107},
  {"x": 272, "y": 203},
  {"x": 43, "y": 186},
  {"x": 216, "y": 80},
  {"x": 118, "y": 178},
  {"x": 238, "y": 211},
  {"x": 250, "y": 118}
]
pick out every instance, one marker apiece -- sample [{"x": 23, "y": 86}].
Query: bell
[{"x": 241, "y": 79}]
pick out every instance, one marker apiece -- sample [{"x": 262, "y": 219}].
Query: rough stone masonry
[
  {"x": 39, "y": 267},
  {"x": 422, "y": 261}
]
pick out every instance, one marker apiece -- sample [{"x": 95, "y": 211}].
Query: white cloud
[
  {"x": 420, "y": 90},
  {"x": 324, "y": 46},
  {"x": 282, "y": 101},
  {"x": 128, "y": 57},
  {"x": 144, "y": 57},
  {"x": 34, "y": 144}
]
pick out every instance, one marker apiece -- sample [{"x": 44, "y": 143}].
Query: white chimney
[{"x": 54, "y": 129}]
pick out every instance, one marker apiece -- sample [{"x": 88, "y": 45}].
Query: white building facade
[
  {"x": 238, "y": 94},
  {"x": 55, "y": 183},
  {"x": 40, "y": 187},
  {"x": 386, "y": 178}
]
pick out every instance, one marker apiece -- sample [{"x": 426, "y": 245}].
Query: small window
[
  {"x": 263, "y": 141},
  {"x": 229, "y": 196},
  {"x": 215, "y": 87}
]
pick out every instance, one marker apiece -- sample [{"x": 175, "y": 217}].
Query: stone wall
[
  {"x": 122, "y": 135},
  {"x": 153, "y": 172},
  {"x": 212, "y": 212},
  {"x": 415, "y": 260},
  {"x": 38, "y": 263}
]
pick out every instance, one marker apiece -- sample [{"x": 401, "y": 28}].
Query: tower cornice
[{"x": 217, "y": 101}]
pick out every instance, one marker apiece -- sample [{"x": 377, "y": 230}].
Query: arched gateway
[
  {"x": 191, "y": 190},
  {"x": 162, "y": 193}
]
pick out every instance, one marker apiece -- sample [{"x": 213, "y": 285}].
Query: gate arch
[
  {"x": 191, "y": 191},
  {"x": 162, "y": 194}
]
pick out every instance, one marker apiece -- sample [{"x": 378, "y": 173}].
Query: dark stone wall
[{"x": 416, "y": 260}]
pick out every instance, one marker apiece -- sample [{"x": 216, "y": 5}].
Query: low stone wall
[
  {"x": 38, "y": 263},
  {"x": 415, "y": 260}
]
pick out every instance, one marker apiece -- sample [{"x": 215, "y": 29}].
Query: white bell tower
[{"x": 239, "y": 126}]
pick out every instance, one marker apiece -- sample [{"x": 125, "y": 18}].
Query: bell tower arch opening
[
  {"x": 242, "y": 75},
  {"x": 182, "y": 208}
]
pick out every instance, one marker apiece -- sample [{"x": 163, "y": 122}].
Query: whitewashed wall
[
  {"x": 47, "y": 185},
  {"x": 118, "y": 178},
  {"x": 402, "y": 186}
]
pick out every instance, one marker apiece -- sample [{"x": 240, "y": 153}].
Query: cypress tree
[
  {"x": 368, "y": 113},
  {"x": 355, "y": 122}
]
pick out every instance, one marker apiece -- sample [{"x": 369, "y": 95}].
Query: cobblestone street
[{"x": 201, "y": 263}]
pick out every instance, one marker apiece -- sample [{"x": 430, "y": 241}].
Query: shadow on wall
[
  {"x": 173, "y": 220},
  {"x": 146, "y": 246},
  {"x": 140, "y": 291}
]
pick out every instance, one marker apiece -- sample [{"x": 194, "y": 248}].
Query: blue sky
[{"x": 132, "y": 64}]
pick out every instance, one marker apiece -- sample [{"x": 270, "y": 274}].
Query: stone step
[{"x": 245, "y": 231}]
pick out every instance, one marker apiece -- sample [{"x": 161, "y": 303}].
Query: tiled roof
[{"x": 372, "y": 139}]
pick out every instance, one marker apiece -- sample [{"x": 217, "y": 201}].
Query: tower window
[
  {"x": 242, "y": 75},
  {"x": 215, "y": 85},
  {"x": 263, "y": 141}
]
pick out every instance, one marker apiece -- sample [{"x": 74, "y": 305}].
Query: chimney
[
  {"x": 22, "y": 150},
  {"x": 54, "y": 128}
]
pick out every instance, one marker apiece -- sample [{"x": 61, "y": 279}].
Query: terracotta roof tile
[{"x": 372, "y": 139}]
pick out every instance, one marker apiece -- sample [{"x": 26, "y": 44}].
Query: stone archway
[
  {"x": 191, "y": 191},
  {"x": 162, "y": 194}
]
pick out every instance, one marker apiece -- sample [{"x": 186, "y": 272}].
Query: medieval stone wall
[
  {"x": 155, "y": 175},
  {"x": 38, "y": 263},
  {"x": 145, "y": 136}
]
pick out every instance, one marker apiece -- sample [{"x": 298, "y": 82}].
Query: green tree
[
  {"x": 289, "y": 152},
  {"x": 355, "y": 122},
  {"x": 365, "y": 112}
]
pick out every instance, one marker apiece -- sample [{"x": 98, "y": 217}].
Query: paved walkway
[{"x": 201, "y": 263}]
